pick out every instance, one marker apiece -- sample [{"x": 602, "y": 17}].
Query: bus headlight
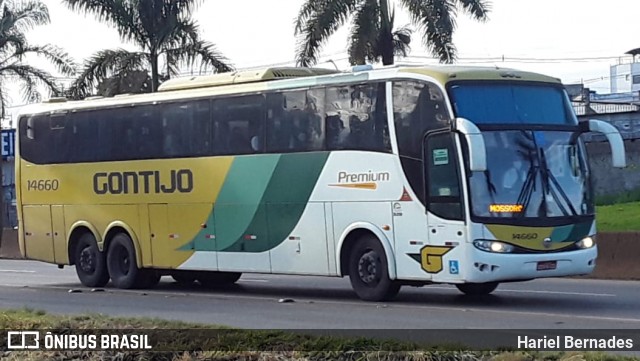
[
  {"x": 586, "y": 242},
  {"x": 493, "y": 246}
]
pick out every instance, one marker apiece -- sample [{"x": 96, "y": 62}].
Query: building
[{"x": 7, "y": 144}]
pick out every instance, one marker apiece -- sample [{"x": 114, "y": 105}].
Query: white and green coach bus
[{"x": 396, "y": 176}]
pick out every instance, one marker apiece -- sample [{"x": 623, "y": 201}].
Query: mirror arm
[{"x": 613, "y": 137}]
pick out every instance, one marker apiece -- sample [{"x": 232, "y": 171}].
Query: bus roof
[
  {"x": 280, "y": 78},
  {"x": 448, "y": 73},
  {"x": 237, "y": 77}
]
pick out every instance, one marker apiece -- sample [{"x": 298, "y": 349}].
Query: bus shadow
[{"x": 423, "y": 296}]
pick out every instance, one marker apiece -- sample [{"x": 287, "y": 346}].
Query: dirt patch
[
  {"x": 618, "y": 256},
  {"x": 9, "y": 247}
]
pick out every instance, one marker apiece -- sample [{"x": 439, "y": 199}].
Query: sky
[{"x": 575, "y": 40}]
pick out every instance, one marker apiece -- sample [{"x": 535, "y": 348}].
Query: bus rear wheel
[
  {"x": 91, "y": 264},
  {"x": 217, "y": 279},
  {"x": 477, "y": 289},
  {"x": 123, "y": 267},
  {"x": 368, "y": 271}
]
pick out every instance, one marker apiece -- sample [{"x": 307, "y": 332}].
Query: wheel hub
[
  {"x": 368, "y": 268},
  {"x": 87, "y": 261},
  {"x": 124, "y": 262}
]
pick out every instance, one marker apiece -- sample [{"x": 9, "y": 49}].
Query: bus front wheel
[
  {"x": 368, "y": 271},
  {"x": 477, "y": 289},
  {"x": 123, "y": 267},
  {"x": 91, "y": 265}
]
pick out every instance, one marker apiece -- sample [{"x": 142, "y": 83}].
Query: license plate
[{"x": 546, "y": 265}]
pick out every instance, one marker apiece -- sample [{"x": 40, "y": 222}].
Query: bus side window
[
  {"x": 34, "y": 139},
  {"x": 418, "y": 108},
  {"x": 362, "y": 111},
  {"x": 294, "y": 121},
  {"x": 83, "y": 136},
  {"x": 244, "y": 117},
  {"x": 149, "y": 133},
  {"x": 175, "y": 121}
]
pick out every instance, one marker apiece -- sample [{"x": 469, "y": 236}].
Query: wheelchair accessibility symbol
[{"x": 453, "y": 267}]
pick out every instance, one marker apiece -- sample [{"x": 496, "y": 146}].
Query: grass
[
  {"x": 235, "y": 344},
  {"x": 618, "y": 217},
  {"x": 623, "y": 197}
]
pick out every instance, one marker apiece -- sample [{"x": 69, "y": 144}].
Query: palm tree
[
  {"x": 373, "y": 34},
  {"x": 16, "y": 19},
  {"x": 372, "y": 27},
  {"x": 162, "y": 29}
]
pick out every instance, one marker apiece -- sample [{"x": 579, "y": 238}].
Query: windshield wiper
[
  {"x": 528, "y": 188},
  {"x": 547, "y": 177}
]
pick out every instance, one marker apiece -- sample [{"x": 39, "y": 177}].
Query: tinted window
[
  {"x": 186, "y": 128},
  {"x": 239, "y": 125},
  {"x": 417, "y": 108},
  {"x": 295, "y": 122},
  {"x": 356, "y": 118},
  {"x": 33, "y": 134},
  {"x": 508, "y": 103},
  {"x": 352, "y": 117}
]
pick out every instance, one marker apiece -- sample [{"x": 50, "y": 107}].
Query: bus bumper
[{"x": 495, "y": 267}]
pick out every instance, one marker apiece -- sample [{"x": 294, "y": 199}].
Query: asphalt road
[{"x": 329, "y": 303}]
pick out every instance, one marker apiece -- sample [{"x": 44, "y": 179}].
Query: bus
[{"x": 395, "y": 176}]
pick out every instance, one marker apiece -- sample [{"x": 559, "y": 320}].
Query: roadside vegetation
[
  {"x": 618, "y": 212},
  {"x": 237, "y": 344},
  {"x": 620, "y": 217}
]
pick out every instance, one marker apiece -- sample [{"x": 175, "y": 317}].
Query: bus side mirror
[
  {"x": 475, "y": 140},
  {"x": 613, "y": 137}
]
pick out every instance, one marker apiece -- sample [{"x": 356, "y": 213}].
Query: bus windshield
[
  {"x": 532, "y": 174},
  {"x": 514, "y": 104}
]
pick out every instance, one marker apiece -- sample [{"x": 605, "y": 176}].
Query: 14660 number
[{"x": 43, "y": 185}]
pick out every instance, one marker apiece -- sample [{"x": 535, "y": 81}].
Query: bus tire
[
  {"x": 122, "y": 264},
  {"x": 217, "y": 279},
  {"x": 477, "y": 289},
  {"x": 369, "y": 272},
  {"x": 184, "y": 278},
  {"x": 91, "y": 264}
]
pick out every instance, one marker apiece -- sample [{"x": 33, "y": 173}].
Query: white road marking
[
  {"x": 16, "y": 271},
  {"x": 253, "y": 280},
  {"x": 561, "y": 293},
  {"x": 536, "y": 291}
]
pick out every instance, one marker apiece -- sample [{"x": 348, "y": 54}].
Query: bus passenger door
[
  {"x": 38, "y": 239},
  {"x": 444, "y": 256}
]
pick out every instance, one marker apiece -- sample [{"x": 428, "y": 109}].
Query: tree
[
  {"x": 162, "y": 29},
  {"x": 135, "y": 82},
  {"x": 16, "y": 19},
  {"x": 372, "y": 34}
]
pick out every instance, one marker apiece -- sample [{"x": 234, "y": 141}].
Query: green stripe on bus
[
  {"x": 239, "y": 199},
  {"x": 283, "y": 202}
]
